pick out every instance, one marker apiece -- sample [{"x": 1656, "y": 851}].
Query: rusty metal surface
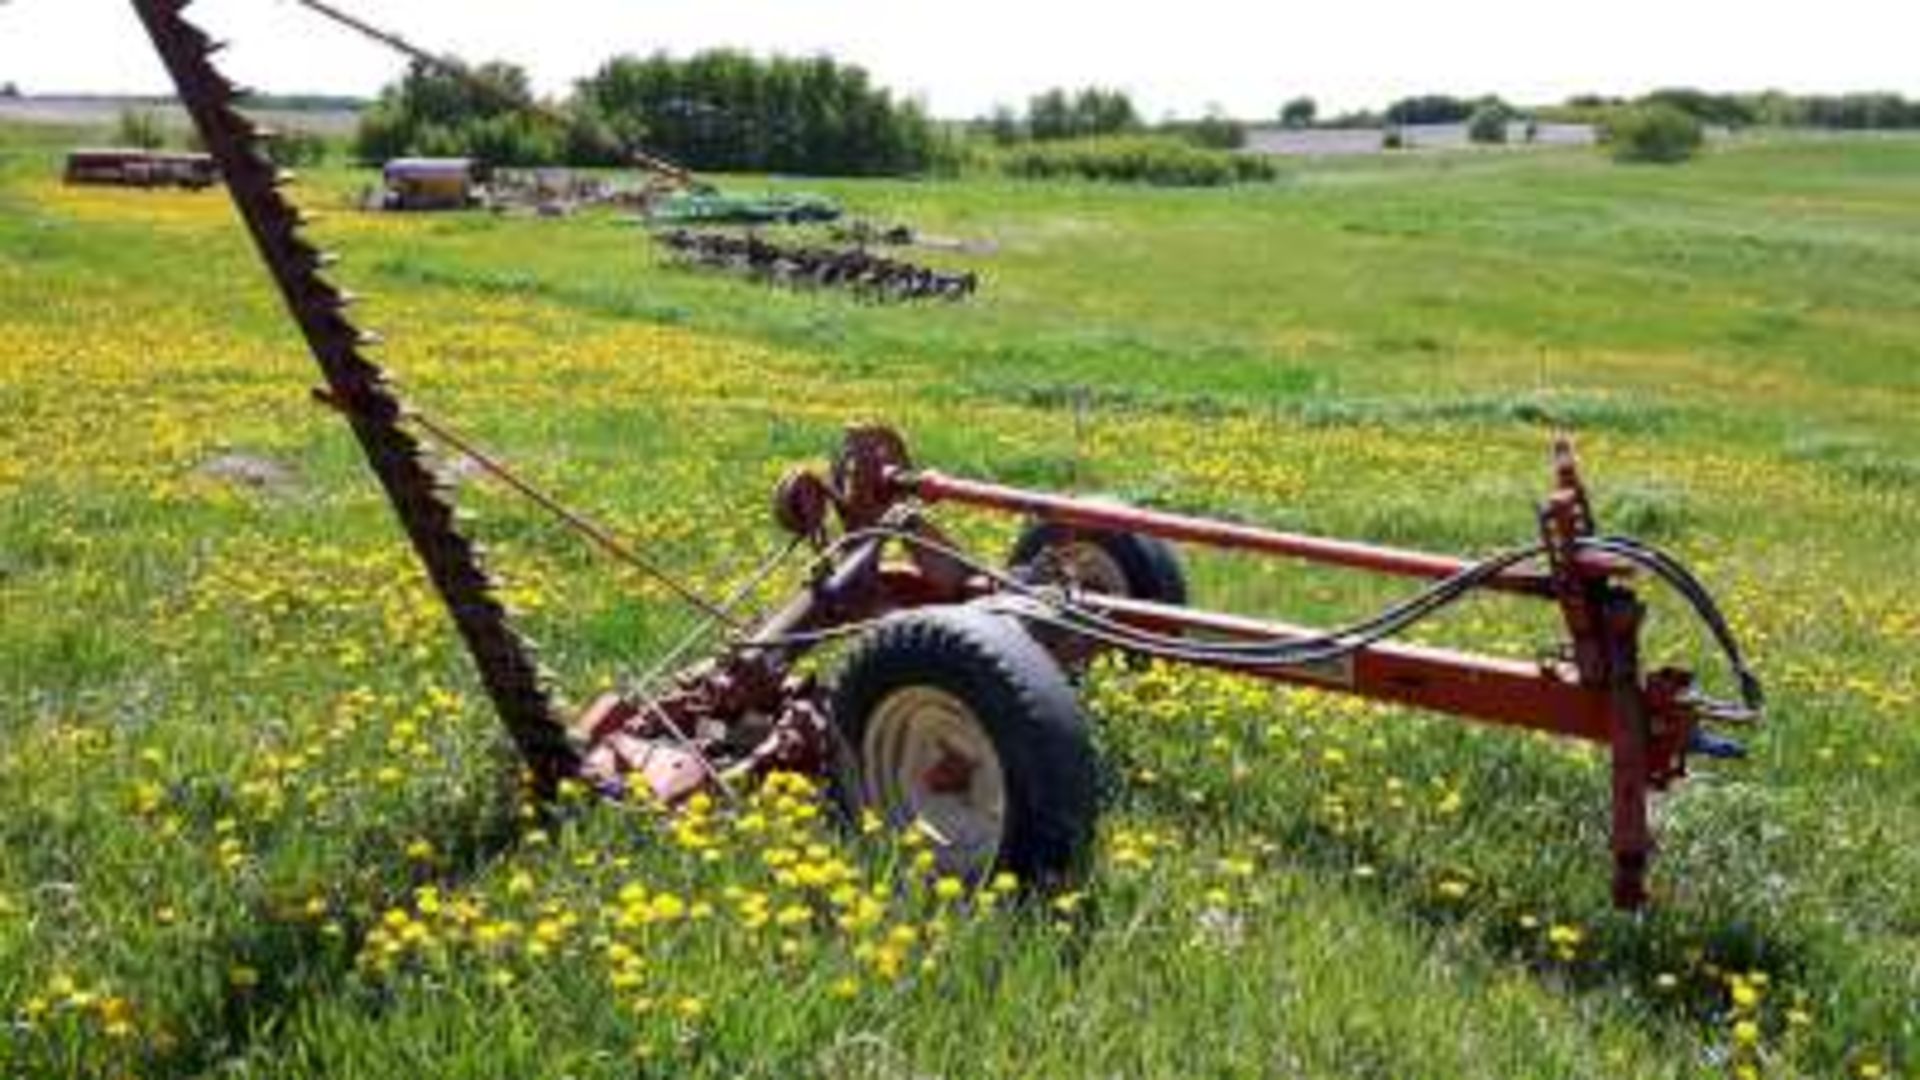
[{"x": 513, "y": 677}]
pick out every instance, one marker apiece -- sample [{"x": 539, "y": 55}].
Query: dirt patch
[{"x": 252, "y": 472}]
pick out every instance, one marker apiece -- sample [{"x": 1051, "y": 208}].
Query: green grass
[{"x": 236, "y": 740}]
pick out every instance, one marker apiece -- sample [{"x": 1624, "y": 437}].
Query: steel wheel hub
[
  {"x": 927, "y": 763},
  {"x": 1090, "y": 567}
]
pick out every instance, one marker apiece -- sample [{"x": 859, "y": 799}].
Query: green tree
[
  {"x": 1429, "y": 109},
  {"x": 727, "y": 110},
  {"x": 1776, "y": 109},
  {"x": 1056, "y": 114},
  {"x": 1299, "y": 112},
  {"x": 1050, "y": 116},
  {"x": 1003, "y": 126},
  {"x": 1104, "y": 112},
  {"x": 432, "y": 113}
]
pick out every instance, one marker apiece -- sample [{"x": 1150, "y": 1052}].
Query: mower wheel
[
  {"x": 1116, "y": 563},
  {"x": 955, "y": 722}
]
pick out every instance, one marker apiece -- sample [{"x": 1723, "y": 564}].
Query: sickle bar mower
[
  {"x": 954, "y": 710},
  {"x": 923, "y": 730}
]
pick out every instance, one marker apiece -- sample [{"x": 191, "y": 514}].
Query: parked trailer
[
  {"x": 429, "y": 184},
  {"x": 123, "y": 167}
]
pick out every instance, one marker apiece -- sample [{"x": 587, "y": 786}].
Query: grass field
[{"x": 257, "y": 820}]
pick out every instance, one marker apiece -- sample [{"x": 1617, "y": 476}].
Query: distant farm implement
[
  {"x": 719, "y": 208},
  {"x": 853, "y": 268},
  {"x": 122, "y": 167},
  {"x": 954, "y": 710}
]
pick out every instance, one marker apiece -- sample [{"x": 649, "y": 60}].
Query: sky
[{"x": 962, "y": 57}]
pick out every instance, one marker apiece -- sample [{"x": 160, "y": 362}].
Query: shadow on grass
[
  {"x": 292, "y": 959},
  {"x": 1673, "y": 957}
]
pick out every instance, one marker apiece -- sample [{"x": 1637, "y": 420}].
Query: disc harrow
[{"x": 853, "y": 268}]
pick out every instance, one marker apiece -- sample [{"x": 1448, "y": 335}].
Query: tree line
[
  {"x": 726, "y": 110},
  {"x": 720, "y": 110},
  {"x": 1858, "y": 111},
  {"x": 1771, "y": 108},
  {"x": 1059, "y": 114}
]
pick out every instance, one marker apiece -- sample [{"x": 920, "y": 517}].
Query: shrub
[
  {"x": 1659, "y": 134},
  {"x": 1488, "y": 124},
  {"x": 139, "y": 129},
  {"x": 1214, "y": 131},
  {"x": 294, "y": 148},
  {"x": 1726, "y": 109},
  {"x": 1157, "y": 160},
  {"x": 1298, "y": 113},
  {"x": 1393, "y": 140}
]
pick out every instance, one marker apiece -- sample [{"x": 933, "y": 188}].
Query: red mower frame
[{"x": 1596, "y": 692}]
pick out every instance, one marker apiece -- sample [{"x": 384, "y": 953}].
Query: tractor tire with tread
[
  {"x": 1015, "y": 692},
  {"x": 1149, "y": 565}
]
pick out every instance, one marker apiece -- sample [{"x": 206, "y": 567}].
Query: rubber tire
[
  {"x": 1150, "y": 564},
  {"x": 1024, "y": 701}
]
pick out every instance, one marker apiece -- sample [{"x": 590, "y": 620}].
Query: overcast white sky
[{"x": 962, "y": 56}]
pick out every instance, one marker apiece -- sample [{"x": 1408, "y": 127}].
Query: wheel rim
[
  {"x": 1092, "y": 567},
  {"x": 927, "y": 763}
]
